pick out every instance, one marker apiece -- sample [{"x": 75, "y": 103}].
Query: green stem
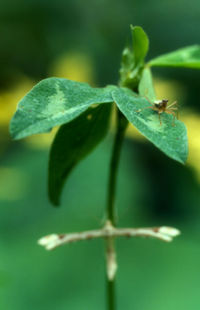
[
  {"x": 111, "y": 294},
  {"x": 119, "y": 136}
]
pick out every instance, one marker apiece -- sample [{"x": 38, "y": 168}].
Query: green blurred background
[{"x": 83, "y": 40}]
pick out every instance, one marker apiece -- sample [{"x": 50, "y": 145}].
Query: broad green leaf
[
  {"x": 72, "y": 143},
  {"x": 140, "y": 44},
  {"x": 188, "y": 57},
  {"x": 52, "y": 102},
  {"x": 170, "y": 136},
  {"x": 146, "y": 88}
]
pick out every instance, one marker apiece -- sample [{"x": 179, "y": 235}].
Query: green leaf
[
  {"x": 72, "y": 143},
  {"x": 52, "y": 102},
  {"x": 188, "y": 57},
  {"x": 172, "y": 140},
  {"x": 127, "y": 66},
  {"x": 140, "y": 44},
  {"x": 146, "y": 88}
]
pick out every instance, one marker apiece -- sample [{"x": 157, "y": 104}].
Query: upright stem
[
  {"x": 111, "y": 295},
  {"x": 119, "y": 136},
  {"x": 110, "y": 246}
]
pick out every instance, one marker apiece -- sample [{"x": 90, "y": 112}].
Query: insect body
[{"x": 160, "y": 106}]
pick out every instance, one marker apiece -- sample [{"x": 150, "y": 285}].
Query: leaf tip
[
  {"x": 135, "y": 27},
  {"x": 54, "y": 199}
]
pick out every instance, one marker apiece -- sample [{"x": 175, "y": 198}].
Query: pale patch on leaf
[{"x": 54, "y": 102}]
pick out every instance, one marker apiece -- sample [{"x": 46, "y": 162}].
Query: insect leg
[
  {"x": 173, "y": 103},
  {"x": 176, "y": 110},
  {"x": 144, "y": 109},
  {"x": 173, "y": 113},
  {"x": 159, "y": 118},
  {"x": 148, "y": 100}
]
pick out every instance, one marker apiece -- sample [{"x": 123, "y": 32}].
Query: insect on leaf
[
  {"x": 188, "y": 57},
  {"x": 172, "y": 140},
  {"x": 72, "y": 143},
  {"x": 52, "y": 102}
]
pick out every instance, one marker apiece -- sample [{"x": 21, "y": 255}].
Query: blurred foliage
[{"x": 83, "y": 41}]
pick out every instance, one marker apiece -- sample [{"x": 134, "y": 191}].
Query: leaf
[
  {"x": 72, "y": 143},
  {"x": 140, "y": 44},
  {"x": 188, "y": 57},
  {"x": 52, "y": 102},
  {"x": 127, "y": 65},
  {"x": 146, "y": 88},
  {"x": 172, "y": 140}
]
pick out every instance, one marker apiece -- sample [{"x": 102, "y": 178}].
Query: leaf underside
[
  {"x": 146, "y": 88},
  {"x": 172, "y": 140},
  {"x": 53, "y": 102},
  {"x": 72, "y": 143}
]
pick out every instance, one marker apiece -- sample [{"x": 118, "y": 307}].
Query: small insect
[{"x": 160, "y": 106}]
